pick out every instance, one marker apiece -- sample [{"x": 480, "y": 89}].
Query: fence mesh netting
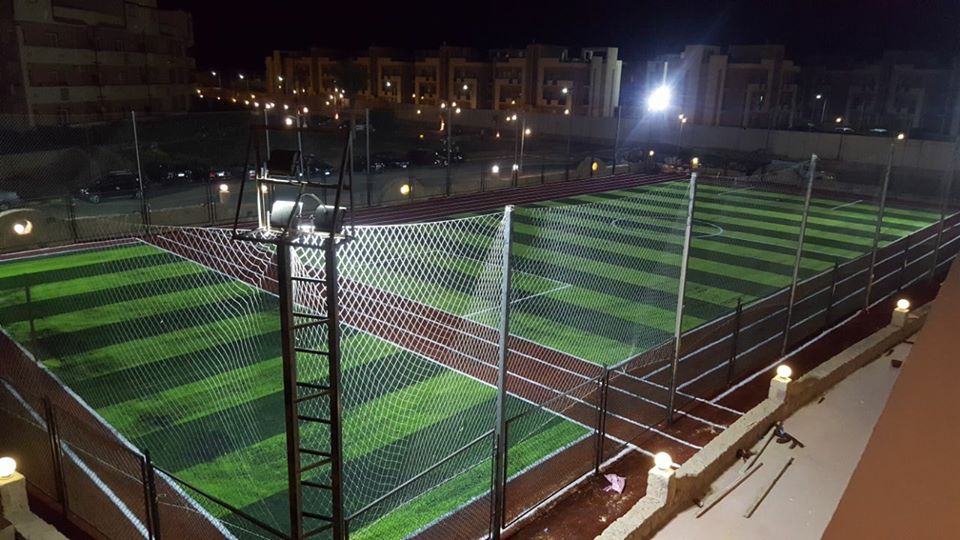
[{"x": 172, "y": 336}]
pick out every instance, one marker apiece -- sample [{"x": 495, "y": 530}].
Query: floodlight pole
[
  {"x": 681, "y": 290},
  {"x": 879, "y": 225},
  {"x": 266, "y": 129},
  {"x": 449, "y": 180},
  {"x": 796, "y": 263},
  {"x": 289, "y": 368},
  {"x": 500, "y": 430}
]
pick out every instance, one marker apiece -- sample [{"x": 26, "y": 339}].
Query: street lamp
[
  {"x": 823, "y": 106},
  {"x": 839, "y": 119}
]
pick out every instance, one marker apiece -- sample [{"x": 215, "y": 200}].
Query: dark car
[
  {"x": 360, "y": 164},
  {"x": 391, "y": 160},
  {"x": 426, "y": 158},
  {"x": 172, "y": 174},
  {"x": 113, "y": 185},
  {"x": 316, "y": 168}
]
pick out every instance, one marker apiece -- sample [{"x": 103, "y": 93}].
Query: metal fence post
[
  {"x": 29, "y": 301},
  {"x": 56, "y": 455},
  {"x": 151, "y": 494},
  {"x": 144, "y": 208},
  {"x": 734, "y": 341},
  {"x": 72, "y": 218},
  {"x": 946, "y": 189},
  {"x": 682, "y": 285},
  {"x": 602, "y": 417},
  {"x": 500, "y": 430},
  {"x": 369, "y": 159},
  {"x": 876, "y": 232},
  {"x": 147, "y": 507},
  {"x": 833, "y": 291},
  {"x": 796, "y": 263},
  {"x": 903, "y": 263}
]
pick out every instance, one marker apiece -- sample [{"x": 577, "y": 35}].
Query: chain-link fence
[{"x": 488, "y": 362}]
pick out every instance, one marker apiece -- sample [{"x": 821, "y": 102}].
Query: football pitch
[{"x": 185, "y": 361}]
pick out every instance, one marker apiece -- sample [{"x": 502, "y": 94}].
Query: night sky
[{"x": 232, "y": 35}]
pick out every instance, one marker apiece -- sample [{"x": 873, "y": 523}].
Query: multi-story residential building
[
  {"x": 538, "y": 77},
  {"x": 902, "y": 91},
  {"x": 744, "y": 85},
  {"x": 71, "y": 61}
]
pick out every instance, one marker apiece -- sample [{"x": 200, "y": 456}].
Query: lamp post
[{"x": 823, "y": 107}]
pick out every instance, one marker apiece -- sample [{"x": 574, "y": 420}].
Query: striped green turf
[{"x": 185, "y": 362}]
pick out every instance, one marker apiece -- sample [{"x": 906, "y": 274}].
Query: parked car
[
  {"x": 10, "y": 199},
  {"x": 391, "y": 160},
  {"x": 345, "y": 124},
  {"x": 316, "y": 168},
  {"x": 424, "y": 157},
  {"x": 115, "y": 184},
  {"x": 360, "y": 164}
]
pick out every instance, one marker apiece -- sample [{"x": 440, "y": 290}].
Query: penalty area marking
[
  {"x": 717, "y": 230},
  {"x": 858, "y": 201}
]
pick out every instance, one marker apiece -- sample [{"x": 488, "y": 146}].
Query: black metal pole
[
  {"x": 56, "y": 455},
  {"x": 734, "y": 341},
  {"x": 152, "y": 494},
  {"x": 833, "y": 291},
  {"x": 29, "y": 300},
  {"x": 500, "y": 433},
  {"x": 903, "y": 263},
  {"x": 336, "y": 426},
  {"x": 147, "y": 507},
  {"x": 292, "y": 424}
]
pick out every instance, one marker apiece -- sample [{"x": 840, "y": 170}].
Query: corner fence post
[
  {"x": 602, "y": 390},
  {"x": 879, "y": 224},
  {"x": 681, "y": 289},
  {"x": 500, "y": 429},
  {"x": 151, "y": 477},
  {"x": 53, "y": 436},
  {"x": 734, "y": 341},
  {"x": 796, "y": 262}
]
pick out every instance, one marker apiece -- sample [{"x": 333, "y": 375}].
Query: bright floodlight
[
  {"x": 565, "y": 90},
  {"x": 8, "y": 466},
  {"x": 839, "y": 119},
  {"x": 652, "y": 153},
  {"x": 566, "y": 111},
  {"x": 901, "y": 136},
  {"x": 516, "y": 167},
  {"x": 903, "y": 304},
  {"x": 819, "y": 96},
  {"x": 527, "y": 131},
  {"x": 595, "y": 166},
  {"x": 288, "y": 121},
  {"x": 419, "y": 111},
  {"x": 405, "y": 189},
  {"x": 784, "y": 371},
  {"x": 465, "y": 87},
  {"x": 306, "y": 110},
  {"x": 514, "y": 118},
  {"x": 659, "y": 99},
  {"x": 22, "y": 228},
  {"x": 458, "y": 110},
  {"x": 663, "y": 461},
  {"x": 695, "y": 162},
  {"x": 224, "y": 188},
  {"x": 453, "y": 104},
  {"x": 495, "y": 169},
  {"x": 388, "y": 84},
  {"x": 241, "y": 76}
]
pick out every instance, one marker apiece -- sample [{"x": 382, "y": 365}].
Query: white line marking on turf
[
  {"x": 725, "y": 193},
  {"x": 847, "y": 204},
  {"x": 518, "y": 300}
]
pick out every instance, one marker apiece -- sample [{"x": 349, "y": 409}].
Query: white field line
[
  {"x": 518, "y": 300},
  {"x": 725, "y": 193},
  {"x": 858, "y": 201}
]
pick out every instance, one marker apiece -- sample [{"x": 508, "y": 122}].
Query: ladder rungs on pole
[
  {"x": 317, "y": 419},
  {"x": 313, "y": 515},
  {"x": 315, "y": 452},
  {"x": 317, "y": 531},
  {"x": 308, "y": 280},
  {"x": 314, "y": 465},
  {"x": 315, "y": 395},
  {"x": 315, "y": 386},
  {"x": 301, "y": 326},
  {"x": 311, "y": 351},
  {"x": 316, "y": 485},
  {"x": 309, "y": 316}
]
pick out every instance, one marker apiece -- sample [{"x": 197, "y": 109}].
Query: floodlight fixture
[
  {"x": 663, "y": 461},
  {"x": 659, "y": 99}
]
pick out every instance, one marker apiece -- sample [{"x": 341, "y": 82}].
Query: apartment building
[
  {"x": 537, "y": 77},
  {"x": 902, "y": 91},
  {"x": 74, "y": 61},
  {"x": 743, "y": 85}
]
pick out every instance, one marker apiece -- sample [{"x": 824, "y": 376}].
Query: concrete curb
[{"x": 693, "y": 478}]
